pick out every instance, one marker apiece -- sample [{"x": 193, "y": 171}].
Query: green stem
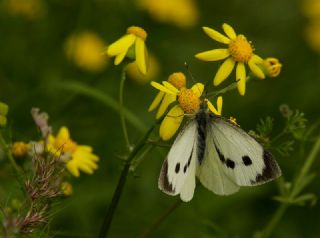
[
  {"x": 159, "y": 221},
  {"x": 6, "y": 148},
  {"x": 306, "y": 167},
  {"x": 296, "y": 189},
  {"x": 225, "y": 89},
  {"x": 274, "y": 220},
  {"x": 121, "y": 109},
  {"x": 104, "y": 98},
  {"x": 119, "y": 189}
]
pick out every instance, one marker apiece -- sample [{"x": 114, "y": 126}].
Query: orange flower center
[
  {"x": 178, "y": 80},
  {"x": 65, "y": 145},
  {"x": 137, "y": 31},
  {"x": 189, "y": 101},
  {"x": 240, "y": 49}
]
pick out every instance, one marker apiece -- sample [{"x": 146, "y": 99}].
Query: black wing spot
[
  {"x": 246, "y": 160},
  {"x": 164, "y": 183},
  {"x": 185, "y": 168},
  {"x": 177, "y": 169},
  {"x": 270, "y": 171},
  {"x": 221, "y": 156},
  {"x": 230, "y": 163}
]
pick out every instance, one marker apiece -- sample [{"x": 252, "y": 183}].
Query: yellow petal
[
  {"x": 141, "y": 55},
  {"x": 224, "y": 71},
  {"x": 85, "y": 148},
  {"x": 229, "y": 31},
  {"x": 170, "y": 86},
  {"x": 212, "y": 108},
  {"x": 156, "y": 101},
  {"x": 86, "y": 160},
  {"x": 213, "y": 55},
  {"x": 198, "y": 89},
  {"x": 216, "y": 35},
  {"x": 121, "y": 45},
  {"x": 73, "y": 168},
  {"x": 171, "y": 123},
  {"x": 256, "y": 59},
  {"x": 63, "y": 133},
  {"x": 167, "y": 100},
  {"x": 219, "y": 105},
  {"x": 241, "y": 78},
  {"x": 118, "y": 59},
  {"x": 255, "y": 69},
  {"x": 162, "y": 88}
]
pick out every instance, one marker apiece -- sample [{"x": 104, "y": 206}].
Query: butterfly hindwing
[
  {"x": 178, "y": 170},
  {"x": 211, "y": 174},
  {"x": 241, "y": 157}
]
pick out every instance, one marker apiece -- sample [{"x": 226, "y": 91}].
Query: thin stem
[
  {"x": 296, "y": 189},
  {"x": 10, "y": 157},
  {"x": 121, "y": 109},
  {"x": 104, "y": 98},
  {"x": 122, "y": 180},
  {"x": 274, "y": 220},
  {"x": 159, "y": 221},
  {"x": 226, "y": 89},
  {"x": 307, "y": 165}
]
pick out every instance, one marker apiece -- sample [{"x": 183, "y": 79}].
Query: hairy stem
[
  {"x": 119, "y": 189},
  {"x": 159, "y": 221}
]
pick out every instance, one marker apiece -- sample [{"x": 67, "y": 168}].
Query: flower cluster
[
  {"x": 45, "y": 164},
  {"x": 188, "y": 103},
  {"x": 176, "y": 100},
  {"x": 238, "y": 53}
]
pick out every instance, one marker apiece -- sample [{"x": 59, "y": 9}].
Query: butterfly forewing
[
  {"x": 178, "y": 170},
  {"x": 242, "y": 158}
]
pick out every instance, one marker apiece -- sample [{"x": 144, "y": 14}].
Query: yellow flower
[
  {"x": 153, "y": 71},
  {"x": 20, "y": 149},
  {"x": 136, "y": 36},
  {"x": 311, "y": 9},
  {"x": 78, "y": 157},
  {"x": 271, "y": 67},
  {"x": 188, "y": 103},
  {"x": 239, "y": 51},
  {"x": 178, "y": 81},
  {"x": 66, "y": 188},
  {"x": 31, "y": 9},
  {"x": 182, "y": 13},
  {"x": 84, "y": 49},
  {"x": 312, "y": 35}
]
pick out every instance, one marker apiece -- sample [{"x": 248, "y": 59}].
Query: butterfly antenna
[
  {"x": 191, "y": 75},
  {"x": 189, "y": 72}
]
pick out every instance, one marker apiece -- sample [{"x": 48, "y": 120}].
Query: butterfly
[{"x": 222, "y": 155}]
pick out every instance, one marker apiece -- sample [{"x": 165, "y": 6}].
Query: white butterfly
[{"x": 220, "y": 154}]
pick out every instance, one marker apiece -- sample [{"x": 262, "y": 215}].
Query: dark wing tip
[
  {"x": 271, "y": 170},
  {"x": 163, "y": 183}
]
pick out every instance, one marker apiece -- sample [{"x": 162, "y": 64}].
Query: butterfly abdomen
[{"x": 202, "y": 119}]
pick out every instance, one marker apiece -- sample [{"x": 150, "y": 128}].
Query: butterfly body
[{"x": 219, "y": 153}]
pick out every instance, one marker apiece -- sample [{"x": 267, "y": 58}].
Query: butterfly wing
[
  {"x": 241, "y": 158},
  {"x": 177, "y": 174},
  {"x": 211, "y": 174}
]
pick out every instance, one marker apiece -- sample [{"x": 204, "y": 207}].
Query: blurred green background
[{"x": 42, "y": 52}]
